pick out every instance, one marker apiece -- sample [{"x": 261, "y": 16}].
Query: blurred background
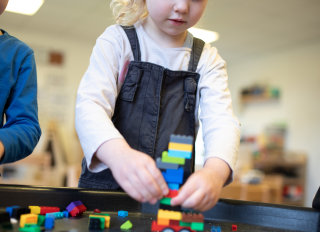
[{"x": 272, "y": 49}]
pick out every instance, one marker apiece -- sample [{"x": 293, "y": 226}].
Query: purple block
[{"x": 73, "y": 204}]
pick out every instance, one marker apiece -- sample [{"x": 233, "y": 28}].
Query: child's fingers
[
  {"x": 132, "y": 192},
  {"x": 161, "y": 183},
  {"x": 185, "y": 192},
  {"x": 149, "y": 184},
  {"x": 199, "y": 202},
  {"x": 194, "y": 200},
  {"x": 132, "y": 182}
]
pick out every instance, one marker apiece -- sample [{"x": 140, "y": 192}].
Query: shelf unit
[
  {"x": 292, "y": 168},
  {"x": 258, "y": 99}
]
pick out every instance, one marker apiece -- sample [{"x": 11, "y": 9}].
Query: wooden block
[
  {"x": 167, "y": 159},
  {"x": 180, "y": 146}
]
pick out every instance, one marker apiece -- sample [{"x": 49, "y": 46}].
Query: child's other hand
[
  {"x": 202, "y": 189},
  {"x": 136, "y": 172}
]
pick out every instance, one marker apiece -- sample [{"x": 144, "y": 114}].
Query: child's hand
[
  {"x": 202, "y": 189},
  {"x": 1, "y": 150},
  {"x": 136, "y": 172}
]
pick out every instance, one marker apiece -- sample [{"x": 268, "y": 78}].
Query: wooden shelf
[
  {"x": 257, "y": 99},
  {"x": 284, "y": 182}
]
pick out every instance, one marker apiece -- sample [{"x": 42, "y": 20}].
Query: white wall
[
  {"x": 296, "y": 72},
  {"x": 57, "y": 85}
]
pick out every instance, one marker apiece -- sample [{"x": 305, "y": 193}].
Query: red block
[
  {"x": 172, "y": 193},
  {"x": 82, "y": 208},
  {"x": 75, "y": 212},
  {"x": 234, "y": 227},
  {"x": 48, "y": 209}
]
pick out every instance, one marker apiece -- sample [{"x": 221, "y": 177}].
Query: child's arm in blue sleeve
[{"x": 21, "y": 132}]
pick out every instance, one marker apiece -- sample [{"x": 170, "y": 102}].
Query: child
[
  {"x": 19, "y": 126},
  {"x": 145, "y": 82}
]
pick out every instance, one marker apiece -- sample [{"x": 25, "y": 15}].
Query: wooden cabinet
[
  {"x": 284, "y": 182},
  {"x": 268, "y": 191},
  {"x": 292, "y": 168}
]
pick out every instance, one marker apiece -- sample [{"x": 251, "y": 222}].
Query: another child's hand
[
  {"x": 136, "y": 172},
  {"x": 1, "y": 150},
  {"x": 202, "y": 189}
]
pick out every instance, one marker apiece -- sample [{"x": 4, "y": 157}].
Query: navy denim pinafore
[{"x": 153, "y": 103}]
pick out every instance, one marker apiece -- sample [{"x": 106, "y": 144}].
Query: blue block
[
  {"x": 9, "y": 209},
  {"x": 180, "y": 154},
  {"x": 49, "y": 223},
  {"x": 65, "y": 214},
  {"x": 173, "y": 186},
  {"x": 55, "y": 215},
  {"x": 122, "y": 213},
  {"x": 173, "y": 175},
  {"x": 215, "y": 229}
]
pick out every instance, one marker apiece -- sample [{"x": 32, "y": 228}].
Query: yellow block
[
  {"x": 170, "y": 215},
  {"x": 107, "y": 219},
  {"x": 28, "y": 219},
  {"x": 180, "y": 146},
  {"x": 35, "y": 209}
]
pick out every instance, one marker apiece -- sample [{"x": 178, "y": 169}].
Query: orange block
[{"x": 163, "y": 221}]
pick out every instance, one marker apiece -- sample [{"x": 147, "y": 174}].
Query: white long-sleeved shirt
[{"x": 101, "y": 84}]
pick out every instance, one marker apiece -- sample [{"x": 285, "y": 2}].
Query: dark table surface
[{"x": 248, "y": 216}]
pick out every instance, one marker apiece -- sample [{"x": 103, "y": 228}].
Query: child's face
[
  {"x": 174, "y": 17},
  {"x": 3, "y": 5}
]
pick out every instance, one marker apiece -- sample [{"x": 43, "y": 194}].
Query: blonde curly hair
[{"x": 128, "y": 12}]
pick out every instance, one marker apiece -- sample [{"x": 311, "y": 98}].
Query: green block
[
  {"x": 198, "y": 226},
  {"x": 41, "y": 219},
  {"x": 174, "y": 160},
  {"x": 165, "y": 201},
  {"x": 126, "y": 226},
  {"x": 187, "y": 224},
  {"x": 102, "y": 221},
  {"x": 30, "y": 229},
  {"x": 30, "y": 225}
]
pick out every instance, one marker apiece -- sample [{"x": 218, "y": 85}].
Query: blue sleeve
[{"x": 21, "y": 132}]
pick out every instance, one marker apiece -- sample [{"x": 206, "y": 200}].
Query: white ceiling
[{"x": 246, "y": 27}]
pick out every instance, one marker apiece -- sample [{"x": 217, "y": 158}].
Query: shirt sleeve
[
  {"x": 21, "y": 132},
  {"x": 221, "y": 130},
  {"x": 96, "y": 97}
]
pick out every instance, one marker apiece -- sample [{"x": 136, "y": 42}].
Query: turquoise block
[{"x": 180, "y": 154}]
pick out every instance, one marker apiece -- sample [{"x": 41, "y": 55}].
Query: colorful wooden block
[
  {"x": 168, "y": 214},
  {"x": 163, "y": 165},
  {"x": 180, "y": 146},
  {"x": 216, "y": 229},
  {"x": 35, "y": 209},
  {"x": 28, "y": 219},
  {"x": 180, "y": 154},
  {"x": 173, "y": 186},
  {"x": 167, "y": 159},
  {"x": 173, "y": 175},
  {"x": 181, "y": 139},
  {"x": 126, "y": 226}
]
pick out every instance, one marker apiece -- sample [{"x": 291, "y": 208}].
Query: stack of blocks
[
  {"x": 172, "y": 166},
  {"x": 76, "y": 208},
  {"x": 99, "y": 221}
]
